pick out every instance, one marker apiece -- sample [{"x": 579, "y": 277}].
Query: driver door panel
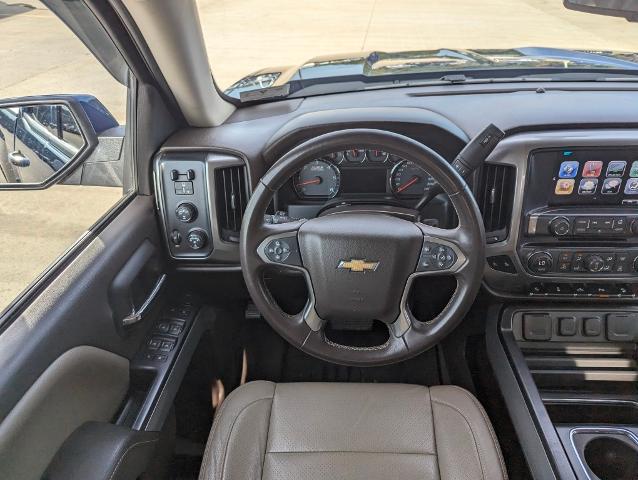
[{"x": 65, "y": 357}]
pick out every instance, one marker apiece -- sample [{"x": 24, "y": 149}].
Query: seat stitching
[
  {"x": 490, "y": 429},
  {"x": 130, "y": 447},
  {"x": 436, "y": 449},
  {"x": 272, "y": 405},
  {"x": 476, "y": 445},
  {"x": 428, "y": 454},
  {"x": 230, "y": 432},
  {"x": 216, "y": 422}
]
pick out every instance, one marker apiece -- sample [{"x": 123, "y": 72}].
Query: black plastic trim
[{"x": 536, "y": 438}]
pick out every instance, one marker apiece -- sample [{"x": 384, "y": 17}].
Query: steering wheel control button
[
  {"x": 278, "y": 250},
  {"x": 435, "y": 257},
  {"x": 197, "y": 239},
  {"x": 186, "y": 212},
  {"x": 283, "y": 250},
  {"x": 540, "y": 262}
]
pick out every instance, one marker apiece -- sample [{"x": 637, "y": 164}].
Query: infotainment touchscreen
[{"x": 584, "y": 177}]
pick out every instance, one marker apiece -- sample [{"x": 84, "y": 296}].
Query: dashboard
[{"x": 559, "y": 195}]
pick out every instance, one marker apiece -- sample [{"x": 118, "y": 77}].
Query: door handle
[
  {"x": 137, "y": 315},
  {"x": 19, "y": 160}
]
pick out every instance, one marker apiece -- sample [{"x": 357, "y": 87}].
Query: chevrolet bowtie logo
[{"x": 355, "y": 265}]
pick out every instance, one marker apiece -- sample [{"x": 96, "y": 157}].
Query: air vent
[
  {"x": 231, "y": 197},
  {"x": 495, "y": 199}
]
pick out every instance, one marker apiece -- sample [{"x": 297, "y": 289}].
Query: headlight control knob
[{"x": 186, "y": 212}]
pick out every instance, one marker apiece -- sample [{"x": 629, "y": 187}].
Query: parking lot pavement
[{"x": 40, "y": 56}]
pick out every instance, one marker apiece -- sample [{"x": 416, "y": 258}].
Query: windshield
[{"x": 254, "y": 44}]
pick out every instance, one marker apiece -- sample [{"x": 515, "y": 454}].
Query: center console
[
  {"x": 574, "y": 226},
  {"x": 568, "y": 376}
]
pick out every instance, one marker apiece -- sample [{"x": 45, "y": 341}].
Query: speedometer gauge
[
  {"x": 410, "y": 180},
  {"x": 317, "y": 179}
]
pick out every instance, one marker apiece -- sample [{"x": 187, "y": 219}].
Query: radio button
[
  {"x": 582, "y": 222},
  {"x": 559, "y": 226}
]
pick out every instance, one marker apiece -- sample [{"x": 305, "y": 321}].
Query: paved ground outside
[{"x": 40, "y": 56}]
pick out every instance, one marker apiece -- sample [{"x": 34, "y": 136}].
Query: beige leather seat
[{"x": 325, "y": 431}]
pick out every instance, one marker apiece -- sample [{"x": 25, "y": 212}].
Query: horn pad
[{"x": 359, "y": 264}]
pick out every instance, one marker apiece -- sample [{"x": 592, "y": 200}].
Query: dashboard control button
[
  {"x": 536, "y": 289},
  {"x": 540, "y": 262},
  {"x": 559, "y": 289},
  {"x": 622, "y": 327},
  {"x": 594, "y": 263},
  {"x": 537, "y": 326},
  {"x": 580, "y": 289},
  {"x": 567, "y": 326},
  {"x": 565, "y": 256},
  {"x": 599, "y": 290},
  {"x": 559, "y": 226},
  {"x": 624, "y": 290},
  {"x": 174, "y": 175},
  {"x": 186, "y": 212},
  {"x": 184, "y": 188},
  {"x": 197, "y": 239},
  {"x": 592, "y": 326},
  {"x": 634, "y": 227},
  {"x": 176, "y": 237},
  {"x": 501, "y": 263},
  {"x": 564, "y": 267},
  {"x": 190, "y": 174}
]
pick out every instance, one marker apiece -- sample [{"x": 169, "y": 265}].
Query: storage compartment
[
  {"x": 612, "y": 457},
  {"x": 595, "y": 412}
]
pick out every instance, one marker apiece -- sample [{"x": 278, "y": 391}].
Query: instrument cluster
[{"x": 358, "y": 172}]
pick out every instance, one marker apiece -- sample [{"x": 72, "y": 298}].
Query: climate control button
[
  {"x": 594, "y": 263},
  {"x": 540, "y": 262}
]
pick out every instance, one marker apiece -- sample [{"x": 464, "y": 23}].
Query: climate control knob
[
  {"x": 594, "y": 263},
  {"x": 197, "y": 239},
  {"x": 186, "y": 212},
  {"x": 540, "y": 262},
  {"x": 559, "y": 226}
]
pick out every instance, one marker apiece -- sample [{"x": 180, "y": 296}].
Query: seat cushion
[{"x": 349, "y": 431}]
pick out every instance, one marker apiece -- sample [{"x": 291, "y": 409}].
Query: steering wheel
[{"x": 360, "y": 265}]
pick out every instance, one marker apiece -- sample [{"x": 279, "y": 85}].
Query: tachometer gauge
[
  {"x": 335, "y": 157},
  {"x": 410, "y": 180},
  {"x": 317, "y": 179},
  {"x": 355, "y": 155},
  {"x": 377, "y": 156}
]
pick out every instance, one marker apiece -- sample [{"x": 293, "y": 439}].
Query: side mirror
[
  {"x": 54, "y": 138},
  {"x": 627, "y": 9}
]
